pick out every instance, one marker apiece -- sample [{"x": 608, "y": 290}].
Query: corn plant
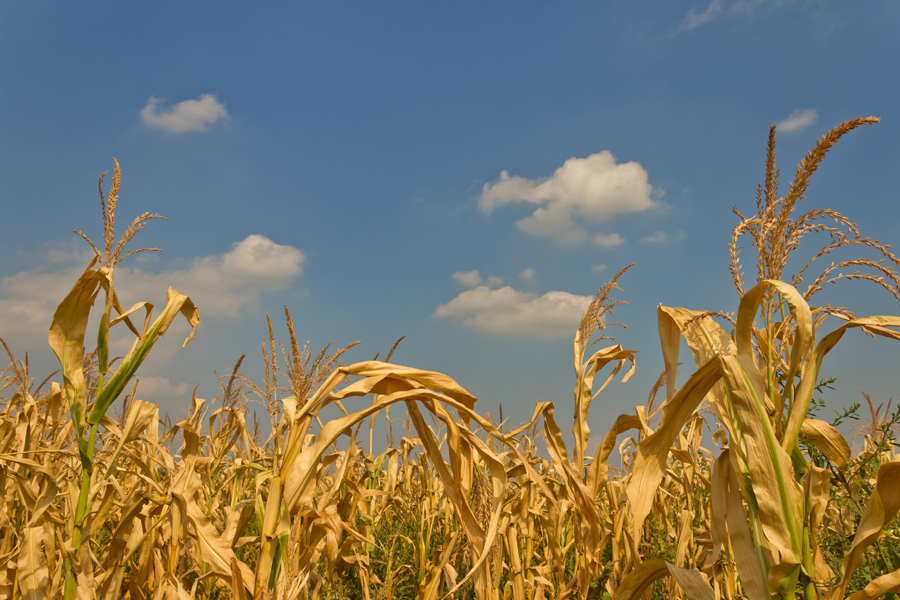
[
  {"x": 66, "y": 338},
  {"x": 759, "y": 383}
]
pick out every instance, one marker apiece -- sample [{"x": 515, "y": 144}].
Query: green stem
[{"x": 80, "y": 532}]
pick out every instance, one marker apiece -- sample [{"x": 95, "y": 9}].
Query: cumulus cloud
[
  {"x": 468, "y": 278},
  {"x": 29, "y": 299},
  {"x": 657, "y": 238},
  {"x": 222, "y": 285},
  {"x": 592, "y": 189},
  {"x": 598, "y": 268},
  {"x": 509, "y": 312},
  {"x": 227, "y": 284},
  {"x": 799, "y": 119},
  {"x": 189, "y": 115},
  {"x": 495, "y": 281},
  {"x": 719, "y": 9},
  {"x": 527, "y": 274},
  {"x": 608, "y": 240}
]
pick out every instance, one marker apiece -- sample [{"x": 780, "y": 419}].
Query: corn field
[{"x": 723, "y": 484}]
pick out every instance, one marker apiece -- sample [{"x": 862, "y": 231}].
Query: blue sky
[{"x": 466, "y": 174}]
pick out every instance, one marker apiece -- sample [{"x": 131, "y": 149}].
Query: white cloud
[
  {"x": 189, "y": 115},
  {"x": 468, "y": 278},
  {"x": 657, "y": 238},
  {"x": 495, "y": 281},
  {"x": 161, "y": 391},
  {"x": 221, "y": 285},
  {"x": 595, "y": 188},
  {"x": 799, "y": 119},
  {"x": 506, "y": 311},
  {"x": 718, "y": 9},
  {"x": 227, "y": 284},
  {"x": 527, "y": 274},
  {"x": 29, "y": 299},
  {"x": 598, "y": 268},
  {"x": 610, "y": 240}
]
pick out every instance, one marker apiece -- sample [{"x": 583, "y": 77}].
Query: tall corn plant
[
  {"x": 767, "y": 498},
  {"x": 67, "y": 338}
]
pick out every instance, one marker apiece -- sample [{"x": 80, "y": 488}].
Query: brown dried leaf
[
  {"x": 880, "y": 510},
  {"x": 650, "y": 459},
  {"x": 827, "y": 440},
  {"x": 637, "y": 582},
  {"x": 771, "y": 482},
  {"x": 31, "y": 571}
]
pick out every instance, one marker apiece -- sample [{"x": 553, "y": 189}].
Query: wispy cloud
[
  {"x": 610, "y": 240},
  {"x": 719, "y": 9},
  {"x": 509, "y": 312},
  {"x": 189, "y": 115},
  {"x": 598, "y": 268},
  {"x": 657, "y": 238},
  {"x": 223, "y": 285},
  {"x": 527, "y": 274},
  {"x": 799, "y": 119},
  {"x": 593, "y": 189}
]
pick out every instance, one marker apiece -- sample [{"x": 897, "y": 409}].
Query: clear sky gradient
[{"x": 466, "y": 174}]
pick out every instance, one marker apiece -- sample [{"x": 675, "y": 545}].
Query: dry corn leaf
[
  {"x": 31, "y": 569},
  {"x": 800, "y": 311},
  {"x": 705, "y": 338},
  {"x": 140, "y": 415},
  {"x": 46, "y": 498},
  {"x": 481, "y": 539},
  {"x": 213, "y": 549},
  {"x": 692, "y": 582},
  {"x": 879, "y": 586},
  {"x": 772, "y": 487},
  {"x": 818, "y": 484},
  {"x": 584, "y": 393},
  {"x": 827, "y": 440},
  {"x": 636, "y": 583},
  {"x": 176, "y": 302},
  {"x": 238, "y": 592},
  {"x": 877, "y": 325},
  {"x": 880, "y": 510},
  {"x": 746, "y": 556},
  {"x": 66, "y": 338},
  {"x": 598, "y": 472},
  {"x": 577, "y": 491},
  {"x": 650, "y": 458},
  {"x": 685, "y": 537},
  {"x": 717, "y": 505}
]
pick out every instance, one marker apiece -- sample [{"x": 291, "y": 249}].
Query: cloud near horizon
[
  {"x": 799, "y": 119},
  {"x": 223, "y": 285},
  {"x": 509, "y": 312},
  {"x": 189, "y": 115},
  {"x": 592, "y": 189}
]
